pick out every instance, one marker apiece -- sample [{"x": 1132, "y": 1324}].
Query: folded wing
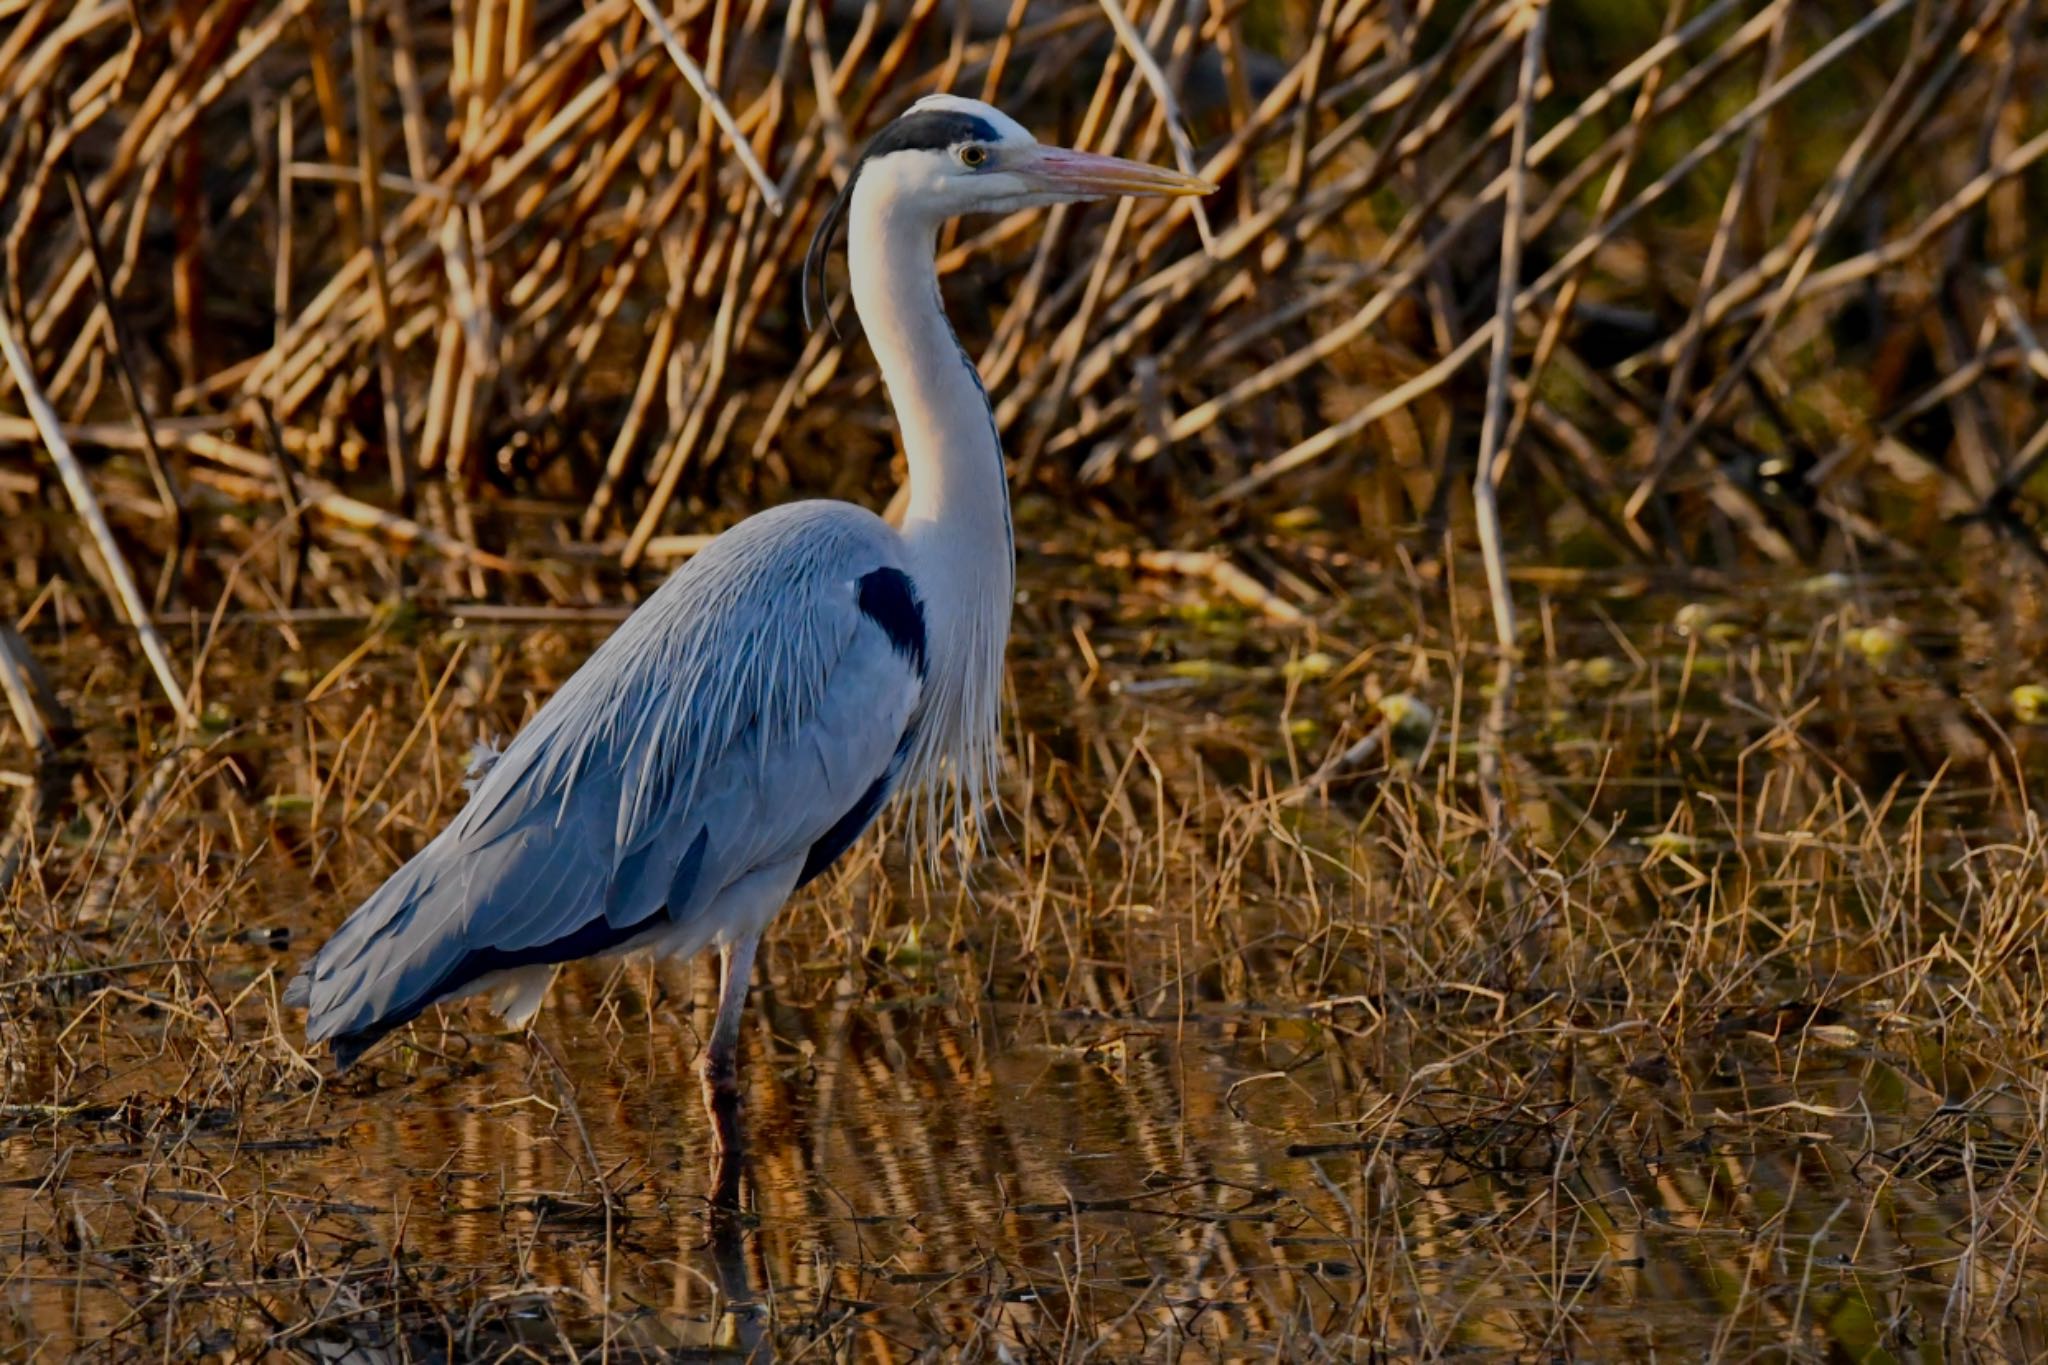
[{"x": 753, "y": 711}]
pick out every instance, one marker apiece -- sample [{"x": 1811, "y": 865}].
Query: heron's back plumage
[{"x": 751, "y": 713}]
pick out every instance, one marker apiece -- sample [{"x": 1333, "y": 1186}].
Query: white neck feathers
[{"x": 957, "y": 524}]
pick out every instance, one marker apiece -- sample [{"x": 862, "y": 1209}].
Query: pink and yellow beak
[{"x": 1089, "y": 174}]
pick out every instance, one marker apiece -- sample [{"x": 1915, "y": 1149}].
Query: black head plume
[
  {"x": 920, "y": 130},
  {"x": 821, "y": 247}
]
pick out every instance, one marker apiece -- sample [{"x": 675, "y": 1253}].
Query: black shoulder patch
[{"x": 887, "y": 598}]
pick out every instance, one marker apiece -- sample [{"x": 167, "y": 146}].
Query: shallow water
[{"x": 1730, "y": 1054}]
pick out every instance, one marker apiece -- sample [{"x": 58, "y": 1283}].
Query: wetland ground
[
  {"x": 1352, "y": 972},
  {"x": 1733, "y": 1049}
]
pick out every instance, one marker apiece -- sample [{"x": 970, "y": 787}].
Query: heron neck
[
  {"x": 956, "y": 524},
  {"x": 958, "y": 492}
]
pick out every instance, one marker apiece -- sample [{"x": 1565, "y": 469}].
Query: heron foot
[
  {"x": 722, "y": 1101},
  {"x": 721, "y": 1077},
  {"x": 722, "y": 1105}
]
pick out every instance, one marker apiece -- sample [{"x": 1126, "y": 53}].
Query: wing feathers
[{"x": 748, "y": 714}]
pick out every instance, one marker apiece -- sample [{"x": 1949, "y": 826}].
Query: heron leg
[{"x": 722, "y": 1056}]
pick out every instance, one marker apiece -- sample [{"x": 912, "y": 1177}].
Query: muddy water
[{"x": 1184, "y": 1077}]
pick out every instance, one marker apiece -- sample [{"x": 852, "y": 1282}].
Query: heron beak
[{"x": 1090, "y": 175}]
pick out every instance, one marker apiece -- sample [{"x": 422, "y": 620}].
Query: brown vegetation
[{"x": 1339, "y": 984}]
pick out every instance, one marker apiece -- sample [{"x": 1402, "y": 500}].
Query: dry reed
[{"x": 1626, "y": 938}]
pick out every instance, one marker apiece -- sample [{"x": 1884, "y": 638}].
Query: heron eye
[{"x": 973, "y": 154}]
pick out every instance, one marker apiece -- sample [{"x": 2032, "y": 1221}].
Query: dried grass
[
  {"x": 574, "y": 289},
  {"x": 1728, "y": 1043},
  {"x": 1342, "y": 987}
]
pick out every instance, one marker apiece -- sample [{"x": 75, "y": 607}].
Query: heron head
[{"x": 947, "y": 155}]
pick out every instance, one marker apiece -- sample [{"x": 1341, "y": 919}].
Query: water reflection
[
  {"x": 953, "y": 1169},
  {"x": 1179, "y": 1072}
]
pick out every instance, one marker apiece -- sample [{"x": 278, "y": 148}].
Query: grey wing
[{"x": 753, "y": 712}]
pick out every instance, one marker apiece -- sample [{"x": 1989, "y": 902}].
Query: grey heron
[{"x": 743, "y": 727}]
